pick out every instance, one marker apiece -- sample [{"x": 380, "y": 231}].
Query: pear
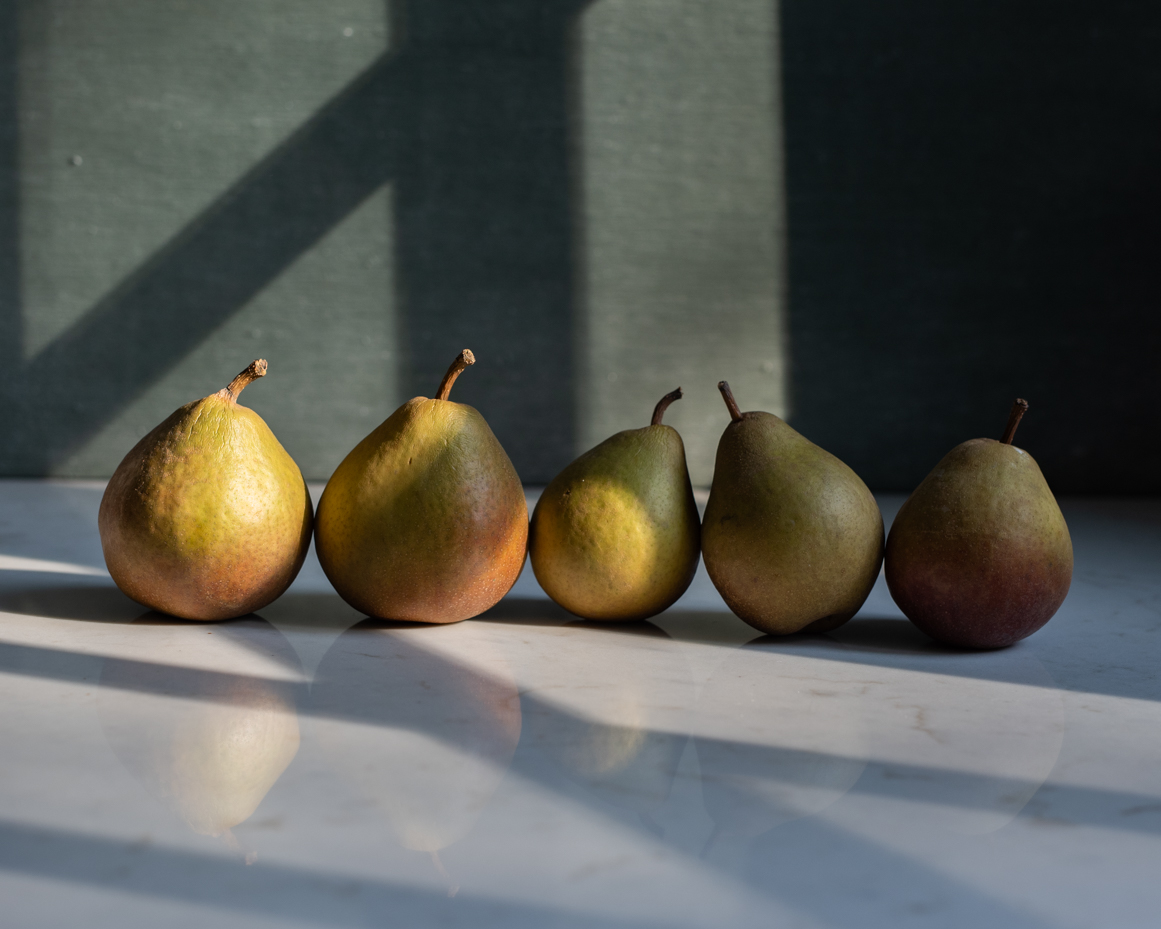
[
  {"x": 207, "y": 517},
  {"x": 792, "y": 538},
  {"x": 979, "y": 555},
  {"x": 615, "y": 536},
  {"x": 425, "y": 519}
]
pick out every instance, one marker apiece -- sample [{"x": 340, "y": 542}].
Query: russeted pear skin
[
  {"x": 615, "y": 535},
  {"x": 792, "y": 538},
  {"x": 207, "y": 517},
  {"x": 425, "y": 519},
  {"x": 980, "y": 556}
]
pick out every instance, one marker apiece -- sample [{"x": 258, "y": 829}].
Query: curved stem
[
  {"x": 255, "y": 370},
  {"x": 1019, "y": 408},
  {"x": 463, "y": 359},
  {"x": 728, "y": 394},
  {"x": 663, "y": 405}
]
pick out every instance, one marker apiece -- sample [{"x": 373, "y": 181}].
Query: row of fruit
[{"x": 425, "y": 520}]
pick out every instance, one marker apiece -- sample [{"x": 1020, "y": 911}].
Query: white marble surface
[{"x": 529, "y": 770}]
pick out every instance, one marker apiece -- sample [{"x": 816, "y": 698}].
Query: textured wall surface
[
  {"x": 974, "y": 214},
  {"x": 578, "y": 192},
  {"x": 882, "y": 220}
]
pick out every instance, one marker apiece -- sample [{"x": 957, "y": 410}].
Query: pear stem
[
  {"x": 663, "y": 405},
  {"x": 463, "y": 359},
  {"x": 1019, "y": 408},
  {"x": 255, "y": 370},
  {"x": 728, "y": 394},
  {"x": 452, "y": 888}
]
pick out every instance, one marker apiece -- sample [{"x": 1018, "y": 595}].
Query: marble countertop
[{"x": 307, "y": 766}]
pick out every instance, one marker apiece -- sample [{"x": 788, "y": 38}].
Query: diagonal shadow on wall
[{"x": 470, "y": 120}]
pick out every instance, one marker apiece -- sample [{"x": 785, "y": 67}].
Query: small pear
[
  {"x": 979, "y": 555},
  {"x": 207, "y": 517},
  {"x": 425, "y": 519},
  {"x": 615, "y": 536},
  {"x": 792, "y": 538}
]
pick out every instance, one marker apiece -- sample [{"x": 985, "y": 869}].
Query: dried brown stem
[
  {"x": 728, "y": 394},
  {"x": 1019, "y": 408},
  {"x": 255, "y": 370},
  {"x": 663, "y": 405},
  {"x": 463, "y": 359}
]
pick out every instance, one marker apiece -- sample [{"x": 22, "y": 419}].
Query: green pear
[
  {"x": 425, "y": 519},
  {"x": 792, "y": 538},
  {"x": 207, "y": 517},
  {"x": 979, "y": 555},
  {"x": 615, "y": 536}
]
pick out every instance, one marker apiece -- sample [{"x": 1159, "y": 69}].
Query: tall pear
[
  {"x": 979, "y": 555},
  {"x": 207, "y": 517},
  {"x": 792, "y": 538},
  {"x": 425, "y": 519},
  {"x": 615, "y": 536}
]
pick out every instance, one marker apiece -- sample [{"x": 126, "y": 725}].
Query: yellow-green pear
[
  {"x": 792, "y": 537},
  {"x": 615, "y": 536},
  {"x": 207, "y": 517},
  {"x": 425, "y": 519}
]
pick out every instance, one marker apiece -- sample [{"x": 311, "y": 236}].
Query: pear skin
[
  {"x": 207, "y": 517},
  {"x": 979, "y": 555},
  {"x": 792, "y": 538},
  {"x": 615, "y": 535},
  {"x": 425, "y": 519}
]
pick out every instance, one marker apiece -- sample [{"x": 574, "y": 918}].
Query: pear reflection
[
  {"x": 422, "y": 721},
  {"x": 607, "y": 710},
  {"x": 778, "y": 739},
  {"x": 210, "y": 737}
]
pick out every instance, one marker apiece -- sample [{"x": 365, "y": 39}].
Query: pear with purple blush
[{"x": 979, "y": 555}]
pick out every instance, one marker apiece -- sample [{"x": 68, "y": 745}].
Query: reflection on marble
[
  {"x": 613, "y": 741},
  {"x": 549, "y": 772},
  {"x": 422, "y": 722},
  {"x": 208, "y": 743}
]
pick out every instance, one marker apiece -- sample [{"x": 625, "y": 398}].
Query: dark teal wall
[{"x": 974, "y": 200}]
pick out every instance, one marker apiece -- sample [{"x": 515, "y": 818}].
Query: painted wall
[{"x": 881, "y": 220}]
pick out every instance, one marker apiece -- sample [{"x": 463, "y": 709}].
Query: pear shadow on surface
[
  {"x": 317, "y": 610},
  {"x": 85, "y": 602},
  {"x": 637, "y": 627},
  {"x": 534, "y": 611},
  {"x": 891, "y": 634},
  {"x": 528, "y": 611}
]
